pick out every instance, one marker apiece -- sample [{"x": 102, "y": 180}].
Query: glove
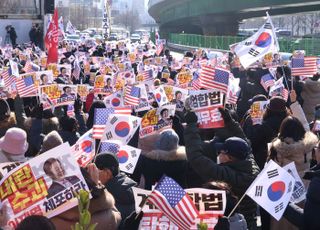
[
  {"x": 191, "y": 117},
  {"x": 133, "y": 221},
  {"x": 223, "y": 223},
  {"x": 37, "y": 112},
  {"x": 225, "y": 115}
]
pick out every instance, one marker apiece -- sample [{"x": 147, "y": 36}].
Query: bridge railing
[{"x": 310, "y": 45}]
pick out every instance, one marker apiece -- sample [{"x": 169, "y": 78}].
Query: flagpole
[{"x": 236, "y": 206}]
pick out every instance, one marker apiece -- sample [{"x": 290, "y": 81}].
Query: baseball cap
[{"x": 234, "y": 146}]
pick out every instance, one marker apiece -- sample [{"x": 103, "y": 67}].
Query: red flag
[{"x": 52, "y": 38}]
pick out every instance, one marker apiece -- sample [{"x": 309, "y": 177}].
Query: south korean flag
[
  {"x": 121, "y": 128},
  {"x": 272, "y": 189},
  {"x": 263, "y": 42},
  {"x": 160, "y": 96}
]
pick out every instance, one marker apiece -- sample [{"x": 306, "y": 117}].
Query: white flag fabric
[
  {"x": 70, "y": 29},
  {"x": 160, "y": 96},
  {"x": 299, "y": 191},
  {"x": 127, "y": 156},
  {"x": 272, "y": 189},
  {"x": 263, "y": 42},
  {"x": 114, "y": 100},
  {"x": 121, "y": 128},
  {"x": 14, "y": 68},
  {"x": 84, "y": 149}
]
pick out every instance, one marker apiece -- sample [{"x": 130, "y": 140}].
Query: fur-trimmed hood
[
  {"x": 161, "y": 155},
  {"x": 289, "y": 150}
]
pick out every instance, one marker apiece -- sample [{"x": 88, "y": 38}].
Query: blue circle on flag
[
  {"x": 115, "y": 102},
  {"x": 264, "y": 40},
  {"x": 86, "y": 146},
  {"x": 276, "y": 190},
  {"x": 122, "y": 129},
  {"x": 123, "y": 156}
]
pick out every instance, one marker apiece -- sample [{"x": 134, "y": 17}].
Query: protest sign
[
  {"x": 47, "y": 77},
  {"x": 33, "y": 188},
  {"x": 184, "y": 78},
  {"x": 257, "y": 111},
  {"x": 205, "y": 104},
  {"x": 83, "y": 91},
  {"x": 156, "y": 120},
  {"x": 210, "y": 203},
  {"x": 57, "y": 95}
]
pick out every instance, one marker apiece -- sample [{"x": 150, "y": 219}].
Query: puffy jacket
[{"x": 238, "y": 174}]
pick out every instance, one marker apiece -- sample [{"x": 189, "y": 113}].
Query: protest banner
[
  {"x": 210, "y": 203},
  {"x": 156, "y": 120},
  {"x": 57, "y": 95},
  {"x": 205, "y": 104},
  {"x": 33, "y": 188},
  {"x": 257, "y": 110}
]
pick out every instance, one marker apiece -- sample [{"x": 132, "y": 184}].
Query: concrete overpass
[{"x": 219, "y": 17}]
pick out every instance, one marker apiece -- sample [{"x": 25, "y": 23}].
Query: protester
[
  {"x": 311, "y": 96},
  {"x": 102, "y": 206},
  {"x": 236, "y": 165},
  {"x": 37, "y": 115},
  {"x": 13, "y": 146},
  {"x": 118, "y": 184},
  {"x": 167, "y": 158},
  {"x": 307, "y": 217}
]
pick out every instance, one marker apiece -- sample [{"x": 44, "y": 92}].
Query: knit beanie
[
  {"x": 50, "y": 141},
  {"x": 168, "y": 140}
]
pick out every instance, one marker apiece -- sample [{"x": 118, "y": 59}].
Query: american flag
[
  {"x": 232, "y": 98},
  {"x": 147, "y": 75},
  {"x": 101, "y": 117},
  {"x": 8, "y": 78},
  {"x": 267, "y": 81},
  {"x": 214, "y": 78},
  {"x": 174, "y": 202},
  {"x": 196, "y": 84},
  {"x": 281, "y": 91},
  {"x": 109, "y": 147},
  {"x": 31, "y": 67},
  {"x": 26, "y": 87},
  {"x": 132, "y": 95},
  {"x": 303, "y": 66}
]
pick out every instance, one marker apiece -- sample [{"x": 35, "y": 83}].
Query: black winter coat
[
  {"x": 153, "y": 165},
  {"x": 239, "y": 175}
]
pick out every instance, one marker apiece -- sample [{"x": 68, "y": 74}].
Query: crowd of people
[{"x": 227, "y": 158}]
